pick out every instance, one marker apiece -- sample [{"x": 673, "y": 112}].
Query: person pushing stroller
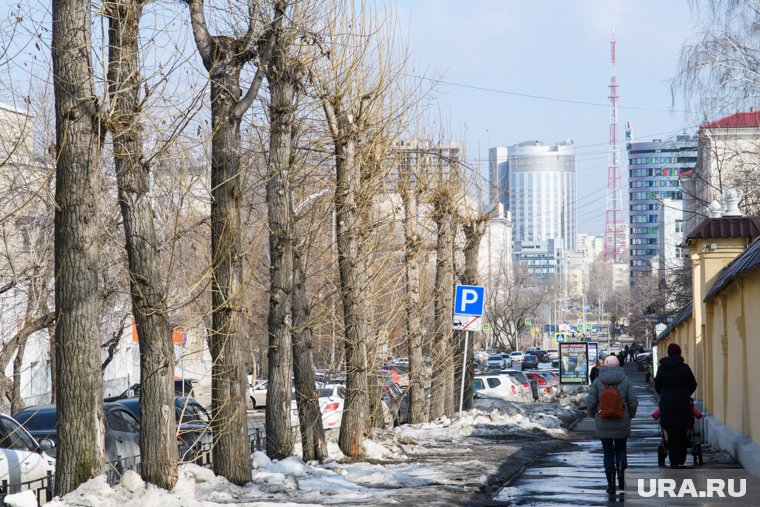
[{"x": 675, "y": 383}]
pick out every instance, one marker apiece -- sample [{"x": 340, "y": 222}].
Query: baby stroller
[{"x": 693, "y": 438}]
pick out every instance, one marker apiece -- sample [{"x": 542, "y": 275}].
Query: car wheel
[{"x": 253, "y": 403}]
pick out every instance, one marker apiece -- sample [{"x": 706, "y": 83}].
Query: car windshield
[
  {"x": 34, "y": 419},
  {"x": 530, "y": 357},
  {"x": 495, "y": 358},
  {"x": 516, "y": 354},
  {"x": 13, "y": 436}
]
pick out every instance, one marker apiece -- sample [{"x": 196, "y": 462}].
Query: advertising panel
[{"x": 573, "y": 363}]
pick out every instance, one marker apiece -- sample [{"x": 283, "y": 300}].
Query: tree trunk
[
  {"x": 354, "y": 284},
  {"x": 473, "y": 233},
  {"x": 17, "y": 404},
  {"x": 442, "y": 384},
  {"x": 79, "y": 382},
  {"x": 158, "y": 440},
  {"x": 229, "y": 380},
  {"x": 307, "y": 397},
  {"x": 280, "y": 359},
  {"x": 417, "y": 374}
]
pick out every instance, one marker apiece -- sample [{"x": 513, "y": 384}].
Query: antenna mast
[{"x": 614, "y": 225}]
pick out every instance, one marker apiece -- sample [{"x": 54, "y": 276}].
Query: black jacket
[
  {"x": 594, "y": 373},
  {"x": 675, "y": 383}
]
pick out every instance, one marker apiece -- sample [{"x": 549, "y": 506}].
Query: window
[
  {"x": 12, "y": 436},
  {"x": 121, "y": 420},
  {"x": 679, "y": 226},
  {"x": 493, "y": 382},
  {"x": 478, "y": 384}
]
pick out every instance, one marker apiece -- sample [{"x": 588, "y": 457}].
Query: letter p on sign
[{"x": 468, "y": 300}]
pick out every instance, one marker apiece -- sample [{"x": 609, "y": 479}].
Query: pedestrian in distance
[
  {"x": 595, "y": 371},
  {"x": 612, "y": 403},
  {"x": 675, "y": 383}
]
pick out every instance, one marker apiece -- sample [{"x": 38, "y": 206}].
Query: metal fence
[{"x": 43, "y": 488}]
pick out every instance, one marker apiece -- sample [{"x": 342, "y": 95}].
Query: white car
[
  {"x": 504, "y": 387},
  {"x": 516, "y": 356},
  {"x": 553, "y": 354},
  {"x": 22, "y": 458},
  {"x": 258, "y": 392},
  {"x": 332, "y": 397}
]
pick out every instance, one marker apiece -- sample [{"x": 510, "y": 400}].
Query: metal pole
[{"x": 464, "y": 369}]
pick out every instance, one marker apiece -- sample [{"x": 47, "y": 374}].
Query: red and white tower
[{"x": 614, "y": 225}]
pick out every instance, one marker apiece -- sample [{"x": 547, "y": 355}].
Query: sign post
[{"x": 468, "y": 313}]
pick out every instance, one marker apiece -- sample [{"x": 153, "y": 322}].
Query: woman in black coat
[{"x": 675, "y": 384}]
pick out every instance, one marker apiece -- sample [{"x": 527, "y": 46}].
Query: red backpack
[{"x": 611, "y": 403}]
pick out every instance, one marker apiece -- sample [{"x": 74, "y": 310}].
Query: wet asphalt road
[{"x": 575, "y": 475}]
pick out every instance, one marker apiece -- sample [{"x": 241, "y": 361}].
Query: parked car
[
  {"x": 504, "y": 387},
  {"x": 507, "y": 360},
  {"x": 194, "y": 426},
  {"x": 546, "y": 391},
  {"x": 258, "y": 393},
  {"x": 553, "y": 354},
  {"x": 332, "y": 397},
  {"x": 496, "y": 362},
  {"x": 530, "y": 361},
  {"x": 524, "y": 382},
  {"x": 182, "y": 387},
  {"x": 122, "y": 428},
  {"x": 22, "y": 458},
  {"x": 516, "y": 356},
  {"x": 402, "y": 370}
]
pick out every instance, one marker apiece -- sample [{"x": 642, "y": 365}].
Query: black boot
[
  {"x": 610, "y": 482},
  {"x": 621, "y": 477}
]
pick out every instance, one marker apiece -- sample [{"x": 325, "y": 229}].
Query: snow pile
[
  {"x": 23, "y": 499},
  {"x": 343, "y": 481}
]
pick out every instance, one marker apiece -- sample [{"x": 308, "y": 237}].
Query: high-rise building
[
  {"x": 498, "y": 176},
  {"x": 542, "y": 192},
  {"x": 654, "y": 170}
]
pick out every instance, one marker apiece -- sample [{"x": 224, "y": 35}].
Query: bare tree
[
  {"x": 224, "y": 58},
  {"x": 473, "y": 229},
  {"x": 411, "y": 185},
  {"x": 78, "y": 147},
  {"x": 158, "y": 441},
  {"x": 515, "y": 296}
]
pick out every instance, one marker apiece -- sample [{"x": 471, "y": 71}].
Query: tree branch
[{"x": 203, "y": 39}]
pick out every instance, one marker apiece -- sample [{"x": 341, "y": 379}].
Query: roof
[
  {"x": 747, "y": 262},
  {"x": 740, "y": 120},
  {"x": 725, "y": 227},
  {"x": 680, "y": 317}
]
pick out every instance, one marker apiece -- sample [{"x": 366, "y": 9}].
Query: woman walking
[
  {"x": 675, "y": 384},
  {"x": 612, "y": 403}
]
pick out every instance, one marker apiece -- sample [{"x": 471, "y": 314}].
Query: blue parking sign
[{"x": 468, "y": 300}]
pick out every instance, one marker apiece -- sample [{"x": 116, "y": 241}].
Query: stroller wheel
[{"x": 661, "y": 455}]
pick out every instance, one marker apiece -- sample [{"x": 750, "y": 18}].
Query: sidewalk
[{"x": 576, "y": 476}]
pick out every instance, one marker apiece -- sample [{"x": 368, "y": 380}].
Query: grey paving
[{"x": 575, "y": 475}]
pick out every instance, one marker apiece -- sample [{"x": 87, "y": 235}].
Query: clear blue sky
[{"x": 556, "y": 49}]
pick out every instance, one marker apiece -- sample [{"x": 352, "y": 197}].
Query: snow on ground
[{"x": 394, "y": 461}]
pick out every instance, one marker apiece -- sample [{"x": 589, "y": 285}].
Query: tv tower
[{"x": 614, "y": 224}]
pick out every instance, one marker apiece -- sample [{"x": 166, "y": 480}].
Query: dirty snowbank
[{"x": 391, "y": 465}]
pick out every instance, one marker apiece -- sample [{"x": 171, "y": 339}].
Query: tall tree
[
  {"x": 473, "y": 229},
  {"x": 79, "y": 392},
  {"x": 224, "y": 58},
  {"x": 411, "y": 177},
  {"x": 442, "y": 386},
  {"x": 158, "y": 441},
  {"x": 282, "y": 77}
]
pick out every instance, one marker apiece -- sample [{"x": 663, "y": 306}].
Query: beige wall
[{"x": 721, "y": 340}]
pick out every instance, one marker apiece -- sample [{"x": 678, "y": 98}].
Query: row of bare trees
[{"x": 212, "y": 125}]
